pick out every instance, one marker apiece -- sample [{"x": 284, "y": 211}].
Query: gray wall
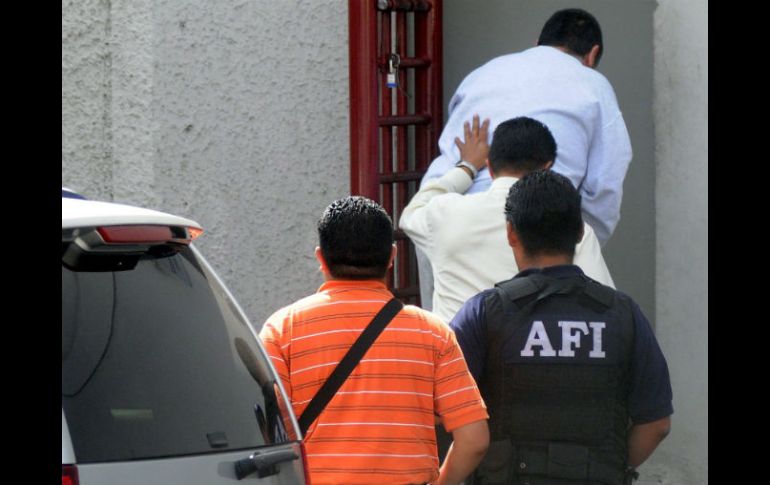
[
  {"x": 473, "y": 35},
  {"x": 233, "y": 113},
  {"x": 86, "y": 144},
  {"x": 681, "y": 154}
]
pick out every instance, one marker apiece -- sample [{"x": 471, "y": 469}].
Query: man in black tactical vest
[{"x": 576, "y": 386}]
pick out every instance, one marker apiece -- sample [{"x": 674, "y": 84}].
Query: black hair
[
  {"x": 544, "y": 210},
  {"x": 521, "y": 144},
  {"x": 356, "y": 236},
  {"x": 574, "y": 29}
]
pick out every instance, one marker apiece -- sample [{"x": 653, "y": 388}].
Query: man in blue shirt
[{"x": 576, "y": 386}]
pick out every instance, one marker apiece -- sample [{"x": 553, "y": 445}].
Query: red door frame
[{"x": 382, "y": 166}]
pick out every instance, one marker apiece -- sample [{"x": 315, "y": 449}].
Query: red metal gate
[{"x": 395, "y": 110}]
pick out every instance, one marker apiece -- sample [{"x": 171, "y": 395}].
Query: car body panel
[
  {"x": 67, "y": 453},
  {"x": 209, "y": 469},
  {"x": 88, "y": 213}
]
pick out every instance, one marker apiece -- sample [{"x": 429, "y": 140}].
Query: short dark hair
[
  {"x": 544, "y": 210},
  {"x": 356, "y": 236},
  {"x": 574, "y": 29},
  {"x": 521, "y": 144}
]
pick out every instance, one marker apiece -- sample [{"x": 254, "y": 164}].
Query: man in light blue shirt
[{"x": 555, "y": 83}]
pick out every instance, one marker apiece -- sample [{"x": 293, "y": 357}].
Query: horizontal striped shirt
[{"x": 379, "y": 427}]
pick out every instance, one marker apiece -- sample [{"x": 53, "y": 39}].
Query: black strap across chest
[{"x": 348, "y": 363}]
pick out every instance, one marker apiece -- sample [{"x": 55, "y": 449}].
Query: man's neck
[
  {"x": 507, "y": 173},
  {"x": 543, "y": 261},
  {"x": 328, "y": 277},
  {"x": 569, "y": 52}
]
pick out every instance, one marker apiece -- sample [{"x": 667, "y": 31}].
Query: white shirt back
[{"x": 464, "y": 237}]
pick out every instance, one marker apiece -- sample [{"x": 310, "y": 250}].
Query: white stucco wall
[
  {"x": 681, "y": 132},
  {"x": 234, "y": 114},
  {"x": 86, "y": 145}
]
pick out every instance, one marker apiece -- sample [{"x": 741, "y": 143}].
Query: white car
[{"x": 164, "y": 381}]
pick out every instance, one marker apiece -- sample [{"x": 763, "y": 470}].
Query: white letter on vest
[
  {"x": 538, "y": 336},
  {"x": 568, "y": 338},
  {"x": 597, "y": 351}
]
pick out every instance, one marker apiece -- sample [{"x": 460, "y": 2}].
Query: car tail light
[
  {"x": 147, "y": 234},
  {"x": 69, "y": 475},
  {"x": 118, "y": 248},
  {"x": 135, "y": 234},
  {"x": 305, "y": 466},
  {"x": 194, "y": 233}
]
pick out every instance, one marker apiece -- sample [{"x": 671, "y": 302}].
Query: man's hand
[{"x": 475, "y": 149}]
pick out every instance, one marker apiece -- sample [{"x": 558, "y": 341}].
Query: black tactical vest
[{"x": 556, "y": 382}]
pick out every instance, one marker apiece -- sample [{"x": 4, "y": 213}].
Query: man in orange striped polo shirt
[{"x": 379, "y": 427}]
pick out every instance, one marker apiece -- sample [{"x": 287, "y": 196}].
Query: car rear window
[{"x": 157, "y": 362}]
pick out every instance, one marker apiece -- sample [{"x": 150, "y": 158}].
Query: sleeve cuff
[
  {"x": 456, "y": 180},
  {"x": 453, "y": 421}
]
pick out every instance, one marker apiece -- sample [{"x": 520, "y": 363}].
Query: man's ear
[
  {"x": 589, "y": 59},
  {"x": 393, "y": 252},
  {"x": 489, "y": 167},
  {"x": 582, "y": 233},
  {"x": 548, "y": 165},
  {"x": 513, "y": 238},
  {"x": 324, "y": 268}
]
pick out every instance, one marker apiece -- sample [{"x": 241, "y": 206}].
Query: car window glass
[{"x": 156, "y": 362}]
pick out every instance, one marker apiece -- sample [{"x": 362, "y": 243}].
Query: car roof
[
  {"x": 65, "y": 192},
  {"x": 87, "y": 213}
]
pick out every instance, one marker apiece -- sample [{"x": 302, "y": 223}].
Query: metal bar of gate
[
  {"x": 406, "y": 62},
  {"x": 403, "y": 145},
  {"x": 407, "y": 119},
  {"x": 390, "y": 137},
  {"x": 386, "y": 110},
  {"x": 428, "y": 45},
  {"x": 404, "y": 5}
]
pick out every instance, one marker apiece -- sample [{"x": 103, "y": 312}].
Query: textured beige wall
[{"x": 234, "y": 114}]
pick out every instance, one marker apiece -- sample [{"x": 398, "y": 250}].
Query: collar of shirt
[
  {"x": 356, "y": 284},
  {"x": 549, "y": 50},
  {"x": 558, "y": 271},
  {"x": 503, "y": 183}
]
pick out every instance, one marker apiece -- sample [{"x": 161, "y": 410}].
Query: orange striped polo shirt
[{"x": 379, "y": 427}]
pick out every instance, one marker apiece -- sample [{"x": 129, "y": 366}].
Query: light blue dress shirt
[{"x": 575, "y": 102}]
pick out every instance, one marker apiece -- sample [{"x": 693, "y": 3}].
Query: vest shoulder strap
[
  {"x": 518, "y": 288},
  {"x": 504, "y": 312},
  {"x": 600, "y": 293}
]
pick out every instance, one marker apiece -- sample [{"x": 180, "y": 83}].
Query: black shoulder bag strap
[{"x": 348, "y": 363}]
